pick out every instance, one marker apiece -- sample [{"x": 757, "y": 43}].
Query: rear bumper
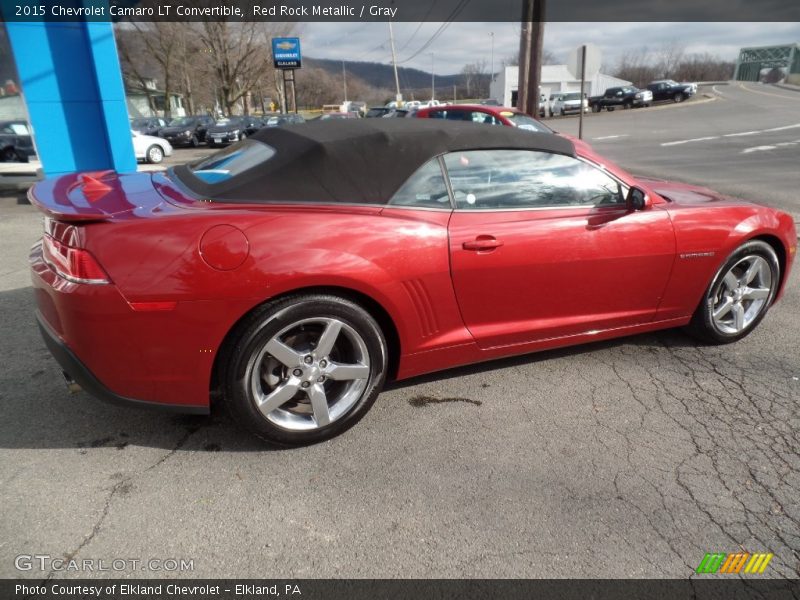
[
  {"x": 73, "y": 366},
  {"x": 118, "y": 354}
]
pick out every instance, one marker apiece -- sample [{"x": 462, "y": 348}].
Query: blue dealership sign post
[
  {"x": 72, "y": 84},
  {"x": 287, "y": 57}
]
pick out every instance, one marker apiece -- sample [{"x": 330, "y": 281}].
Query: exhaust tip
[{"x": 72, "y": 386}]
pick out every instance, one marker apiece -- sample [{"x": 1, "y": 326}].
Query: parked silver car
[{"x": 568, "y": 102}]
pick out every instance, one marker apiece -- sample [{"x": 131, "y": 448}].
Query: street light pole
[
  {"x": 433, "y": 79},
  {"x": 344, "y": 79},
  {"x": 399, "y": 97},
  {"x": 491, "y": 64}
]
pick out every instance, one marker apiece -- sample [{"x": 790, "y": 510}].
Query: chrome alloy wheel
[
  {"x": 309, "y": 374},
  {"x": 741, "y": 295}
]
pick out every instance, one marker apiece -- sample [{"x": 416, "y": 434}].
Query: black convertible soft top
[{"x": 361, "y": 161}]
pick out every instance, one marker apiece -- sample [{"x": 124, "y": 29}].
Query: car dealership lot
[
  {"x": 746, "y": 142},
  {"x": 626, "y": 458}
]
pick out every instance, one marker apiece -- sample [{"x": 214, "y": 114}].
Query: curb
[{"x": 786, "y": 86}]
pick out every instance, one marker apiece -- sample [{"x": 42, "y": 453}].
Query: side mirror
[{"x": 637, "y": 199}]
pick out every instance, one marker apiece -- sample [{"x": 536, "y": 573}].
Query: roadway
[{"x": 742, "y": 139}]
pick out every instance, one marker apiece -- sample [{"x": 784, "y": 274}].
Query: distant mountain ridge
[{"x": 382, "y": 75}]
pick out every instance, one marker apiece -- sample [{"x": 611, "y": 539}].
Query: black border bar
[
  {"x": 400, "y": 10},
  {"x": 713, "y": 588}
]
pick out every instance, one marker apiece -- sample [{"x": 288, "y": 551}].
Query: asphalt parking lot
[{"x": 630, "y": 458}]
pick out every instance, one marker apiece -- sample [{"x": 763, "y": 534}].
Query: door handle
[{"x": 482, "y": 242}]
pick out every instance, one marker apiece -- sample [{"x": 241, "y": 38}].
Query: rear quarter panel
[{"x": 398, "y": 258}]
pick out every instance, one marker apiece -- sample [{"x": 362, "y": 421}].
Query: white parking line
[
  {"x": 784, "y": 128},
  {"x": 740, "y": 134},
  {"x": 611, "y": 137},
  {"x": 758, "y": 149},
  {"x": 679, "y": 142},
  {"x": 773, "y": 147},
  {"x": 737, "y": 134}
]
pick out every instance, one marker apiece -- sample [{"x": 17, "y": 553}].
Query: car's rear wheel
[
  {"x": 10, "y": 155},
  {"x": 739, "y": 295},
  {"x": 155, "y": 154},
  {"x": 304, "y": 369}
]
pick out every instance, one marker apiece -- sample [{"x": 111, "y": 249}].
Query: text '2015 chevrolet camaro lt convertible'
[{"x": 290, "y": 275}]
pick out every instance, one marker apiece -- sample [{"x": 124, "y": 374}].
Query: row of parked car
[
  {"x": 562, "y": 103},
  {"x": 154, "y": 137}
]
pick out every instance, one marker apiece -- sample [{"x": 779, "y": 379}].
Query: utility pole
[
  {"x": 344, "y": 79},
  {"x": 530, "y": 56},
  {"x": 433, "y": 79},
  {"x": 399, "y": 97}
]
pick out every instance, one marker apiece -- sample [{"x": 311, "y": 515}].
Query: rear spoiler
[{"x": 86, "y": 197}]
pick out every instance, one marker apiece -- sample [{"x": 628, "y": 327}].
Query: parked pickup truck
[
  {"x": 666, "y": 89},
  {"x": 621, "y": 97}
]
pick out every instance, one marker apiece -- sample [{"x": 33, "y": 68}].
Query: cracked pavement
[{"x": 628, "y": 458}]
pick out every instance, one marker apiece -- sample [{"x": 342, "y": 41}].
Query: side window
[
  {"x": 457, "y": 115},
  {"x": 424, "y": 189},
  {"x": 519, "y": 179},
  {"x": 484, "y": 118}
]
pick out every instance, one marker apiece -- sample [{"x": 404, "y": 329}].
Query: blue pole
[{"x": 72, "y": 85}]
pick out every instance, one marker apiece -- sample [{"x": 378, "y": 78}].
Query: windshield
[
  {"x": 181, "y": 122},
  {"x": 230, "y": 162},
  {"x": 523, "y": 121},
  {"x": 16, "y": 128},
  {"x": 572, "y": 96},
  {"x": 228, "y": 121},
  {"x": 139, "y": 123}
]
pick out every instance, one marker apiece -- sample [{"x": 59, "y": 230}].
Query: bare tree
[
  {"x": 548, "y": 58},
  {"x": 475, "y": 79},
  {"x": 239, "y": 55},
  {"x": 131, "y": 53},
  {"x": 670, "y": 62},
  {"x": 668, "y": 57}
]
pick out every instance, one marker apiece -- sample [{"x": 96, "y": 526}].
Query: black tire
[
  {"x": 678, "y": 97},
  {"x": 154, "y": 154},
  {"x": 195, "y": 142},
  {"x": 248, "y": 341},
  {"x": 627, "y": 105},
  {"x": 702, "y": 325},
  {"x": 10, "y": 155},
  {"x": 595, "y": 108}
]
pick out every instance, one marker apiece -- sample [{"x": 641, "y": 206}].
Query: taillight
[{"x": 73, "y": 264}]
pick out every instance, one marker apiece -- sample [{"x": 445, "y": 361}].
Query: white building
[{"x": 555, "y": 78}]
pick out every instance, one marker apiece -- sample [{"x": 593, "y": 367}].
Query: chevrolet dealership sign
[{"x": 286, "y": 53}]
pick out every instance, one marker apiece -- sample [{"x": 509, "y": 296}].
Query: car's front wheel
[
  {"x": 739, "y": 295},
  {"x": 678, "y": 97},
  {"x": 304, "y": 369}
]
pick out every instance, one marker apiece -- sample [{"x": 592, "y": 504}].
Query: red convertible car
[{"x": 290, "y": 275}]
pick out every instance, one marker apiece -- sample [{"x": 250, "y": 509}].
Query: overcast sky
[{"x": 462, "y": 43}]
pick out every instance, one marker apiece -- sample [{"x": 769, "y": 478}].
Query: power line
[{"x": 442, "y": 28}]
